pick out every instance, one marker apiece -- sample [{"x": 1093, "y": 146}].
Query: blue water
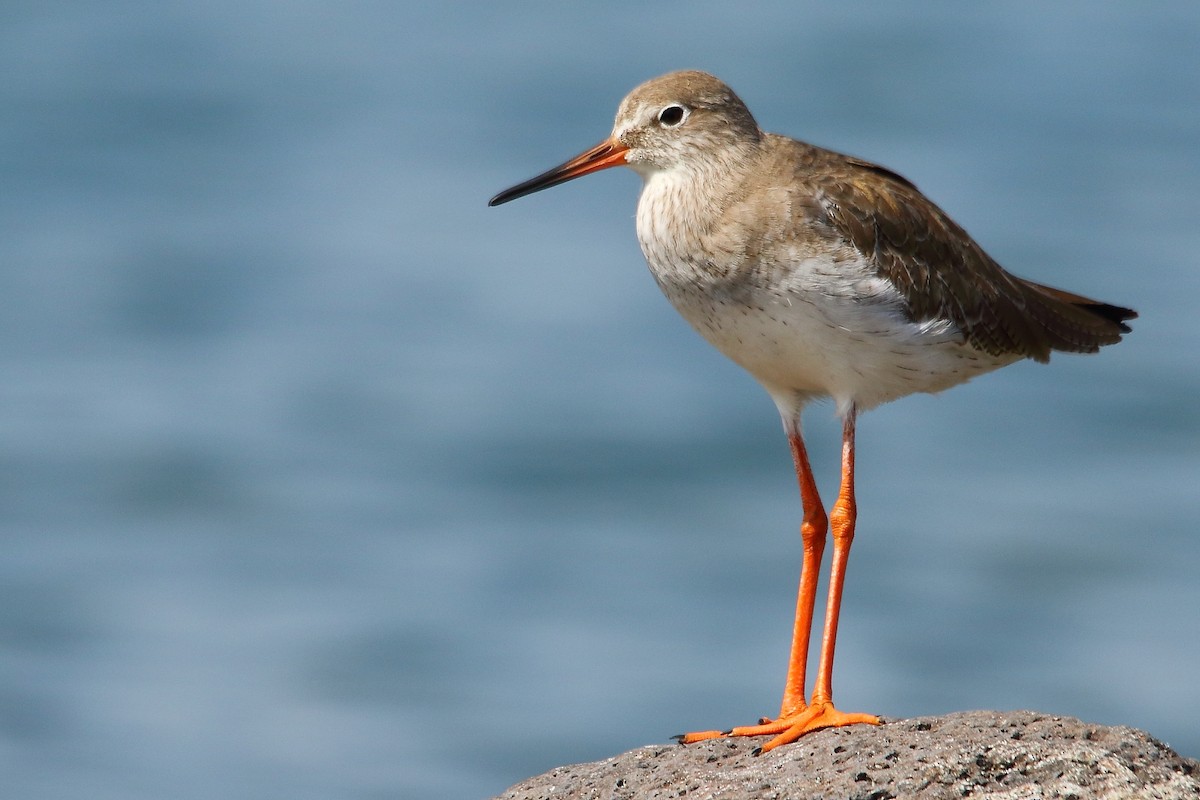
[{"x": 318, "y": 478}]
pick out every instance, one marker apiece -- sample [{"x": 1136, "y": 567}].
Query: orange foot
[{"x": 790, "y": 728}]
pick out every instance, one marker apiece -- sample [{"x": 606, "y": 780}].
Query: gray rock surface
[{"x": 1012, "y": 755}]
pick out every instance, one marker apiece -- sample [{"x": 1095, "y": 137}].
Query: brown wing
[{"x": 943, "y": 274}]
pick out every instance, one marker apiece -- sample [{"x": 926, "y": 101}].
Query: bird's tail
[{"x": 1074, "y": 323}]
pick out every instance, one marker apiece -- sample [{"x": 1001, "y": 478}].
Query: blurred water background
[{"x": 318, "y": 478}]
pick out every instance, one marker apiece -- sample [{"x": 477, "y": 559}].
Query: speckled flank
[{"x": 812, "y": 325}]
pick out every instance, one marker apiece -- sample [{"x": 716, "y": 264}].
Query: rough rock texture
[{"x": 1011, "y": 755}]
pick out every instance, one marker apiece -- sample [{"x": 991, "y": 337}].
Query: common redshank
[{"x": 824, "y": 276}]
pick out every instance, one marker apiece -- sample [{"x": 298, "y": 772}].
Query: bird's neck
[{"x": 678, "y": 210}]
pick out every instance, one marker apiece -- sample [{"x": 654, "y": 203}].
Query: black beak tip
[
  {"x": 520, "y": 190},
  {"x": 512, "y": 193}
]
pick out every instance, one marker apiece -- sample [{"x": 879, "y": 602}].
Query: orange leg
[
  {"x": 797, "y": 719},
  {"x": 821, "y": 712},
  {"x": 812, "y": 534}
]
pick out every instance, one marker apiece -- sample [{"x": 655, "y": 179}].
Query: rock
[{"x": 1012, "y": 755}]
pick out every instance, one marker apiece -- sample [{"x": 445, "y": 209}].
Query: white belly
[{"x": 804, "y": 343}]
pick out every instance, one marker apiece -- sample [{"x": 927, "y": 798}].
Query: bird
[{"x": 825, "y": 276}]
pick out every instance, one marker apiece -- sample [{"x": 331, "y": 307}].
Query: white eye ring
[{"x": 672, "y": 116}]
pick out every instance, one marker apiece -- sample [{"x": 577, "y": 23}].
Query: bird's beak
[{"x": 609, "y": 153}]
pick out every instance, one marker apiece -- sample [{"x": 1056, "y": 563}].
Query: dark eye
[{"x": 672, "y": 115}]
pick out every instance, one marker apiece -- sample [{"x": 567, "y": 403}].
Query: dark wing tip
[{"x": 1113, "y": 314}]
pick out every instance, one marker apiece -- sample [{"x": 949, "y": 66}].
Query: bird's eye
[{"x": 672, "y": 115}]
